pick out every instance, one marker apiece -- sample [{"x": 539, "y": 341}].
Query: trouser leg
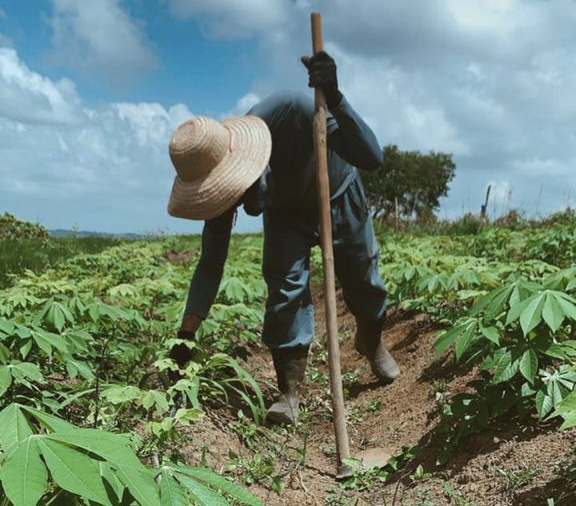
[
  {"x": 356, "y": 266},
  {"x": 289, "y": 318}
]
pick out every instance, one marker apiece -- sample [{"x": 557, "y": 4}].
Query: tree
[{"x": 410, "y": 181}]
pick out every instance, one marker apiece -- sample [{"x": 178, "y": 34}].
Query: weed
[
  {"x": 516, "y": 478},
  {"x": 458, "y": 498}
]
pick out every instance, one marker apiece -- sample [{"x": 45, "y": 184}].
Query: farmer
[{"x": 283, "y": 187}]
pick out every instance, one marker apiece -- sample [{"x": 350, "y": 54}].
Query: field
[{"x": 482, "y": 323}]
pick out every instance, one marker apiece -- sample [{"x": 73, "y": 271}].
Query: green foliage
[
  {"x": 87, "y": 341},
  {"x": 415, "y": 180},
  {"x": 46, "y": 458},
  {"x": 520, "y": 335},
  {"x": 12, "y": 228}
]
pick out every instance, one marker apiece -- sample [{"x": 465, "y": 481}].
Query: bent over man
[{"x": 285, "y": 192}]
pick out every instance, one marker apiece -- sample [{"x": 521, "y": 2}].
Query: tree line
[{"x": 409, "y": 184}]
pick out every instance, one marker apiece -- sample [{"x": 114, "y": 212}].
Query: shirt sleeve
[
  {"x": 352, "y": 139},
  {"x": 208, "y": 274}
]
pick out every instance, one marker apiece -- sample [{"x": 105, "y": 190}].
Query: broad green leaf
[
  {"x": 74, "y": 367},
  {"x": 21, "y": 370},
  {"x": 115, "y": 486},
  {"x": 506, "y": 368},
  {"x": 141, "y": 485},
  {"x": 492, "y": 334},
  {"x": 15, "y": 427},
  {"x": 567, "y": 410},
  {"x": 202, "y": 495},
  {"x": 48, "y": 340},
  {"x": 74, "y": 471},
  {"x": 119, "y": 395},
  {"x": 6, "y": 326},
  {"x": 544, "y": 403},
  {"x": 516, "y": 309},
  {"x": 216, "y": 481},
  {"x": 111, "y": 447},
  {"x": 24, "y": 476},
  {"x": 568, "y": 305},
  {"x": 531, "y": 316},
  {"x": 52, "y": 423},
  {"x": 447, "y": 338},
  {"x": 5, "y": 379},
  {"x": 465, "y": 340},
  {"x": 552, "y": 312},
  {"x": 529, "y": 365},
  {"x": 171, "y": 493},
  {"x": 5, "y": 354}
]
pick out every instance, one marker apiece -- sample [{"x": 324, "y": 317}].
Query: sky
[{"x": 91, "y": 93}]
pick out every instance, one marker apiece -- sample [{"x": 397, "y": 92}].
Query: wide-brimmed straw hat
[{"x": 216, "y": 162}]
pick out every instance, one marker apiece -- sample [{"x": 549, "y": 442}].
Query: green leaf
[
  {"x": 506, "y": 368},
  {"x": 216, "y": 481},
  {"x": 119, "y": 395},
  {"x": 531, "y": 316},
  {"x": 171, "y": 493},
  {"x": 15, "y": 427},
  {"x": 111, "y": 447},
  {"x": 544, "y": 403},
  {"x": 529, "y": 365},
  {"x": 567, "y": 410},
  {"x": 5, "y": 354},
  {"x": 24, "y": 476},
  {"x": 5, "y": 379},
  {"x": 447, "y": 338},
  {"x": 74, "y": 471},
  {"x": 465, "y": 340},
  {"x": 52, "y": 423},
  {"x": 568, "y": 305},
  {"x": 491, "y": 333},
  {"x": 140, "y": 484},
  {"x": 202, "y": 495},
  {"x": 115, "y": 487},
  {"x": 552, "y": 312}
]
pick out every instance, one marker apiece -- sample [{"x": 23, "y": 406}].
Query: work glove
[
  {"x": 322, "y": 74},
  {"x": 180, "y": 353}
]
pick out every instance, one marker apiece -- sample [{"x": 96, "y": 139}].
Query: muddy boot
[
  {"x": 290, "y": 365},
  {"x": 368, "y": 342}
]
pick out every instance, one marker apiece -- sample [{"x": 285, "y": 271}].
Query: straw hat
[{"x": 216, "y": 162}]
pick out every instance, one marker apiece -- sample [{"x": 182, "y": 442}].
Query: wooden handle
[{"x": 322, "y": 181}]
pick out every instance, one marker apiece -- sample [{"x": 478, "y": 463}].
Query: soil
[{"x": 513, "y": 463}]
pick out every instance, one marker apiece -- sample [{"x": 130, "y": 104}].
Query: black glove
[
  {"x": 322, "y": 74},
  {"x": 181, "y": 354}
]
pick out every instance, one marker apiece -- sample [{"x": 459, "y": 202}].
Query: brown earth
[{"x": 512, "y": 464}]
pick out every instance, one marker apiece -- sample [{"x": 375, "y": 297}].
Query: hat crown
[{"x": 198, "y": 146}]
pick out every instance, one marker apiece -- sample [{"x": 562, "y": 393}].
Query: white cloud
[
  {"x": 231, "y": 18},
  {"x": 109, "y": 171},
  {"x": 28, "y": 97},
  {"x": 100, "y": 38}
]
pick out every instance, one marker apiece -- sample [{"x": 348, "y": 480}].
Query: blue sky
[{"x": 90, "y": 93}]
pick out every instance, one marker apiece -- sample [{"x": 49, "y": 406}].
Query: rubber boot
[
  {"x": 368, "y": 342},
  {"x": 290, "y": 366}
]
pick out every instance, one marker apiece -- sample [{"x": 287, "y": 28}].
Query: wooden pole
[{"x": 321, "y": 164}]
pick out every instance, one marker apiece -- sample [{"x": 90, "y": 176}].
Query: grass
[{"x": 19, "y": 255}]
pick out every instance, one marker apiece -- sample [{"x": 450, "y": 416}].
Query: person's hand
[
  {"x": 181, "y": 354},
  {"x": 322, "y": 74}
]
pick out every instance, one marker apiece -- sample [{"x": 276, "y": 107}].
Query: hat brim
[{"x": 222, "y": 187}]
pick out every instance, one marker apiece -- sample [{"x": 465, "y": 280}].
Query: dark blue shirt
[{"x": 289, "y": 182}]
